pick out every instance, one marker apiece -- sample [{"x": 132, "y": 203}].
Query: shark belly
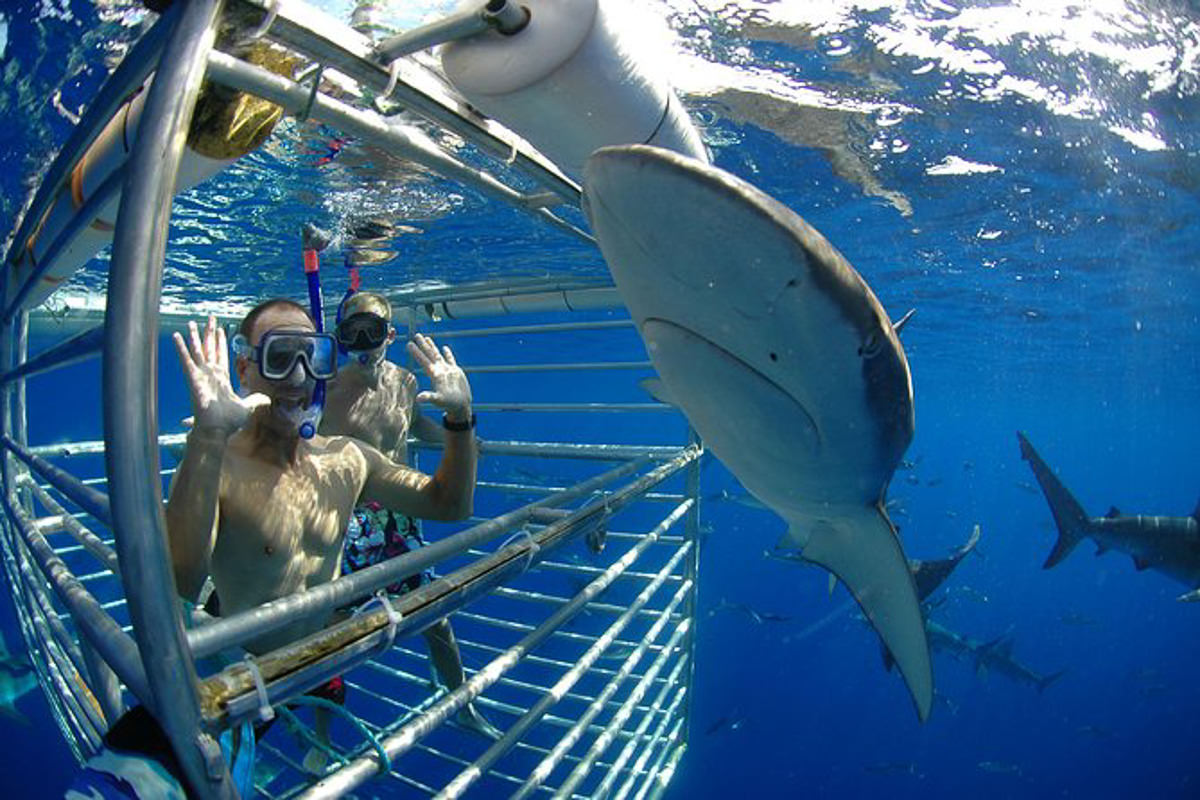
[{"x": 780, "y": 357}]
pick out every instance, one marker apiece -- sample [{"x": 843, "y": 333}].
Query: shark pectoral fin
[
  {"x": 973, "y": 540},
  {"x": 658, "y": 390},
  {"x": 795, "y": 538},
  {"x": 862, "y": 550}
]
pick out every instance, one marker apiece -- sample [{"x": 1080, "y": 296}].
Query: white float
[{"x": 570, "y": 84}]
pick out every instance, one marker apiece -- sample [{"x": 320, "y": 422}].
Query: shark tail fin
[
  {"x": 969, "y": 545},
  {"x": 862, "y": 549},
  {"x": 1069, "y": 516},
  {"x": 1050, "y": 679}
]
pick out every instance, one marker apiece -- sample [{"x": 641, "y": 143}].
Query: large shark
[
  {"x": 782, "y": 360},
  {"x": 1170, "y": 545},
  {"x": 994, "y": 656}
]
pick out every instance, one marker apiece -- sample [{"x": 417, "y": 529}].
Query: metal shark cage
[{"x": 584, "y": 661}]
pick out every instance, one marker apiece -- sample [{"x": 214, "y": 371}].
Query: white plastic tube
[
  {"x": 110, "y": 150},
  {"x": 569, "y": 84}
]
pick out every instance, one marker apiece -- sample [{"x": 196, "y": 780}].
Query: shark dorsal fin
[
  {"x": 1113, "y": 513},
  {"x": 1140, "y": 563}
]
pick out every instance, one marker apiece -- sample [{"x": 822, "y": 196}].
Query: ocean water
[{"x": 1024, "y": 175}]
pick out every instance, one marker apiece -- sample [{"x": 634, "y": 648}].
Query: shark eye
[{"x": 871, "y": 347}]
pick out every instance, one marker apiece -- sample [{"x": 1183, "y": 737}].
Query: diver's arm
[
  {"x": 449, "y": 493},
  {"x": 420, "y": 426},
  {"x": 426, "y": 428},
  {"x": 446, "y": 495},
  {"x": 194, "y": 508},
  {"x": 193, "y": 505}
]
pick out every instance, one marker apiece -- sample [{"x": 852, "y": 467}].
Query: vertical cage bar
[{"x": 130, "y": 396}]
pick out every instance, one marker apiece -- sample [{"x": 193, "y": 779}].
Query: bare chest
[
  {"x": 281, "y": 529},
  {"x": 378, "y": 415}
]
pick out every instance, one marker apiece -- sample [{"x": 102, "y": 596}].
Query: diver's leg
[
  {"x": 333, "y": 691},
  {"x": 316, "y": 759},
  {"x": 443, "y": 651},
  {"x": 447, "y": 661}
]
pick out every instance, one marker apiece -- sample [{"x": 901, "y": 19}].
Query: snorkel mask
[
  {"x": 278, "y": 355},
  {"x": 280, "y": 350},
  {"x": 363, "y": 337}
]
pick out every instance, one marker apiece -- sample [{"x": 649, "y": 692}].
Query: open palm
[
  {"x": 449, "y": 390},
  {"x": 205, "y": 363}
]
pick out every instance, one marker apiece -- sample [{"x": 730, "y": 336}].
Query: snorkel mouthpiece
[
  {"x": 310, "y": 419},
  {"x": 314, "y": 241}
]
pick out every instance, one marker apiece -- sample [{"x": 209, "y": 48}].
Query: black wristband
[{"x": 458, "y": 427}]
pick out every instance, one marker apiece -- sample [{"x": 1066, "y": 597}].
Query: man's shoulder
[{"x": 337, "y": 445}]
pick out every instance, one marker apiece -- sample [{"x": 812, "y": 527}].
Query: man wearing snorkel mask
[
  {"x": 375, "y": 401},
  {"x": 264, "y": 510}
]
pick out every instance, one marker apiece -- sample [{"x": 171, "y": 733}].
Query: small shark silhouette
[
  {"x": 17, "y": 679},
  {"x": 1170, "y": 545},
  {"x": 993, "y": 656}
]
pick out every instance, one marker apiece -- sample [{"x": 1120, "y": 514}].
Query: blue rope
[{"x": 320, "y": 702}]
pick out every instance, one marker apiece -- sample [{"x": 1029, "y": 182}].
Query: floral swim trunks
[{"x": 376, "y": 534}]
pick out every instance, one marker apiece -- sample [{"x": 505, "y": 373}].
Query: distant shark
[
  {"x": 1170, "y": 545},
  {"x": 781, "y": 358},
  {"x": 994, "y": 656},
  {"x": 17, "y": 679},
  {"x": 929, "y": 575}
]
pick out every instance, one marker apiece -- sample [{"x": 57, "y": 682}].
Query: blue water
[{"x": 1056, "y": 294}]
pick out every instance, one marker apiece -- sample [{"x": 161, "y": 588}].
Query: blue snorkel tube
[{"x": 314, "y": 241}]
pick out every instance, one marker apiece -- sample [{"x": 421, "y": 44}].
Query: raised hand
[
  {"x": 450, "y": 390},
  {"x": 215, "y": 405}
]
